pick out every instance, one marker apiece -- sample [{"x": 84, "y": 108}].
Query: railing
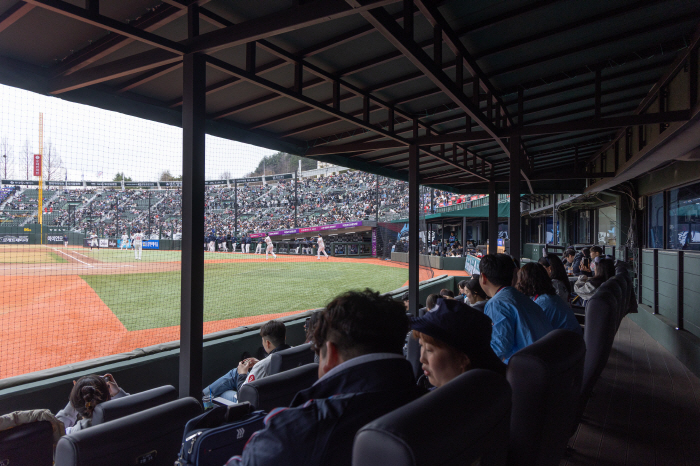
[
  {"x": 472, "y": 204},
  {"x": 669, "y": 283}
]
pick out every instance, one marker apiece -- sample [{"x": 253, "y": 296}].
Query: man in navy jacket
[{"x": 362, "y": 376}]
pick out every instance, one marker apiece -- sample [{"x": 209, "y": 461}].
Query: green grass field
[
  {"x": 30, "y": 255},
  {"x": 143, "y": 301},
  {"x": 118, "y": 255}
]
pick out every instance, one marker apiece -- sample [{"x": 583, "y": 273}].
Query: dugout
[{"x": 601, "y": 99}]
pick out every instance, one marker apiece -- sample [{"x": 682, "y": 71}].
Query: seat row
[{"x": 524, "y": 419}]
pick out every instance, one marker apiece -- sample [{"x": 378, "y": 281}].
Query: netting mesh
[{"x": 95, "y": 270}]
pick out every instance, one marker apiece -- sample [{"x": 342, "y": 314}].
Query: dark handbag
[{"x": 210, "y": 439}]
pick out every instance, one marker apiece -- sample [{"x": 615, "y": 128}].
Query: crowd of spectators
[{"x": 251, "y": 208}]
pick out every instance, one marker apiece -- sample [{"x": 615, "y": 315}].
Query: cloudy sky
[{"x": 97, "y": 143}]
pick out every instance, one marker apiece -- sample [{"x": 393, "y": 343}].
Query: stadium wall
[{"x": 156, "y": 366}]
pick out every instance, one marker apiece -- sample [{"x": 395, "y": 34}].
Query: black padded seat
[
  {"x": 291, "y": 358},
  {"x": 278, "y": 390},
  {"x": 114, "y": 409},
  {"x": 151, "y": 437},
  {"x": 413, "y": 356},
  {"x": 27, "y": 444},
  {"x": 456, "y": 424},
  {"x": 601, "y": 318},
  {"x": 546, "y": 381}
]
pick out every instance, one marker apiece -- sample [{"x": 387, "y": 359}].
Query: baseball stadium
[{"x": 349, "y": 232}]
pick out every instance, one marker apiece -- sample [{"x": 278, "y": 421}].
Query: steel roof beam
[
  {"x": 305, "y": 15},
  {"x": 14, "y": 14},
  {"x": 109, "y": 24},
  {"x": 596, "y": 43}
]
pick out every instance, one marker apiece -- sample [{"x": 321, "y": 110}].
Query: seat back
[
  {"x": 631, "y": 307},
  {"x": 152, "y": 437},
  {"x": 601, "y": 315},
  {"x": 278, "y": 390},
  {"x": 614, "y": 287},
  {"x": 462, "y": 421},
  {"x": 114, "y": 409},
  {"x": 546, "y": 382},
  {"x": 27, "y": 444},
  {"x": 291, "y": 358},
  {"x": 623, "y": 301},
  {"x": 413, "y": 355}
]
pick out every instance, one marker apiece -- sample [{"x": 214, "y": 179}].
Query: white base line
[
  {"x": 75, "y": 252},
  {"x": 72, "y": 257}
]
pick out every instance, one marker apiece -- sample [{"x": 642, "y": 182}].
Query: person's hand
[
  {"x": 112, "y": 384},
  {"x": 245, "y": 365}
]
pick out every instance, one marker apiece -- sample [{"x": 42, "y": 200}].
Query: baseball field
[{"x": 64, "y": 305}]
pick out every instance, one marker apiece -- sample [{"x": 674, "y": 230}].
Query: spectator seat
[
  {"x": 291, "y": 358},
  {"x": 546, "y": 381},
  {"x": 474, "y": 425},
  {"x": 151, "y": 437},
  {"x": 601, "y": 315},
  {"x": 114, "y": 409},
  {"x": 279, "y": 389},
  {"x": 413, "y": 355},
  {"x": 27, "y": 444}
]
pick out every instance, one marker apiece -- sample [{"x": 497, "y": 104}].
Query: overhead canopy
[
  {"x": 354, "y": 82},
  {"x": 476, "y": 212}
]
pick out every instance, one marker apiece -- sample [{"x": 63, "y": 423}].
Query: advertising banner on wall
[
  {"x": 54, "y": 239},
  {"x": 294, "y": 231},
  {"x": 104, "y": 243},
  {"x": 471, "y": 264},
  {"x": 14, "y": 239},
  {"x": 151, "y": 244},
  {"x": 119, "y": 243}
]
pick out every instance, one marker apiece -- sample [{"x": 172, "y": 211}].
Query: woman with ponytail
[{"x": 88, "y": 391}]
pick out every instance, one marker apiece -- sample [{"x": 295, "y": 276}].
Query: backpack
[{"x": 218, "y": 434}]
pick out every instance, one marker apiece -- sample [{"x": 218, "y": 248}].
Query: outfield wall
[{"x": 158, "y": 365}]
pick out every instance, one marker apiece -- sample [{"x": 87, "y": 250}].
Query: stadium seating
[
  {"x": 462, "y": 421},
  {"x": 279, "y": 389},
  {"x": 281, "y": 361},
  {"x": 150, "y": 437},
  {"x": 27, "y": 444},
  {"x": 114, "y": 409},
  {"x": 602, "y": 312},
  {"x": 546, "y": 381},
  {"x": 413, "y": 355}
]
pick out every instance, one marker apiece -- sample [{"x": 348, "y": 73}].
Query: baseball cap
[{"x": 464, "y": 328}]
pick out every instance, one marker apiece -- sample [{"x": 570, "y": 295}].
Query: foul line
[{"x": 75, "y": 258}]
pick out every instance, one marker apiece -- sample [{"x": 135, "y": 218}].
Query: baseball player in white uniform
[
  {"x": 125, "y": 242},
  {"x": 137, "y": 241},
  {"x": 321, "y": 248},
  {"x": 258, "y": 248},
  {"x": 93, "y": 241},
  {"x": 268, "y": 249}
]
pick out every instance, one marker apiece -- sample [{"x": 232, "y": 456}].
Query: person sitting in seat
[
  {"x": 556, "y": 271},
  {"x": 462, "y": 296},
  {"x": 447, "y": 294},
  {"x": 431, "y": 302},
  {"x": 88, "y": 391},
  {"x": 362, "y": 376},
  {"x": 454, "y": 338},
  {"x": 534, "y": 281},
  {"x": 517, "y": 320},
  {"x": 569, "y": 258},
  {"x": 273, "y": 335},
  {"x": 476, "y": 297},
  {"x": 586, "y": 287},
  {"x": 585, "y": 253}
]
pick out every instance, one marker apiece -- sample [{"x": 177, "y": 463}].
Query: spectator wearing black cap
[
  {"x": 517, "y": 320},
  {"x": 454, "y": 338},
  {"x": 362, "y": 375}
]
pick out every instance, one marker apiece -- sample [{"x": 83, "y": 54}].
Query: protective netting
[{"x": 90, "y": 257}]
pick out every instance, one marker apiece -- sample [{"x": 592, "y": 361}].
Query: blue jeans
[{"x": 224, "y": 387}]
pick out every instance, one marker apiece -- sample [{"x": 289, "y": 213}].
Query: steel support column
[
  {"x": 493, "y": 218},
  {"x": 296, "y": 200},
  {"x": 413, "y": 216},
  {"x": 192, "y": 281},
  {"x": 235, "y": 207},
  {"x": 514, "y": 191}
]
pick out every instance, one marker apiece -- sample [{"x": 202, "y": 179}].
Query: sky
[{"x": 96, "y": 144}]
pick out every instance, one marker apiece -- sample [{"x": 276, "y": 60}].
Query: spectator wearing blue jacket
[
  {"x": 534, "y": 281},
  {"x": 517, "y": 320},
  {"x": 363, "y": 375}
]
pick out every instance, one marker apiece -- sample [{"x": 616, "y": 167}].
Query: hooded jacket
[{"x": 320, "y": 425}]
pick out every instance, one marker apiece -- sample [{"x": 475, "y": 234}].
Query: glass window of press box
[
  {"x": 607, "y": 226},
  {"x": 684, "y": 218},
  {"x": 656, "y": 221}
]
